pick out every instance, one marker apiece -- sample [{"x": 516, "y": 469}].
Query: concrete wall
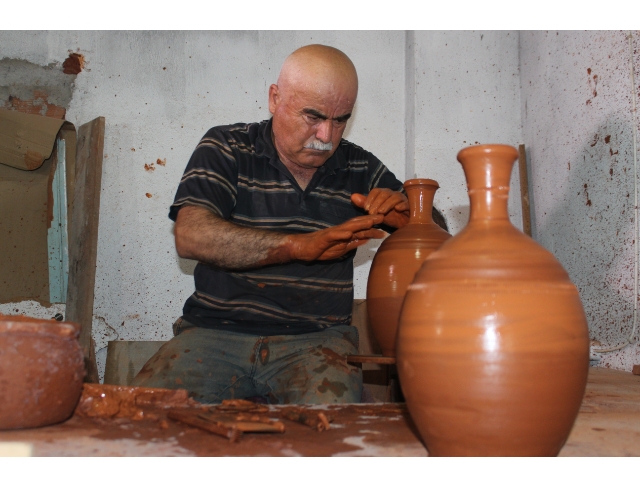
[
  {"x": 423, "y": 96},
  {"x": 466, "y": 93},
  {"x": 579, "y": 127}
]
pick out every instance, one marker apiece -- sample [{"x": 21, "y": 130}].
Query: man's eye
[{"x": 312, "y": 119}]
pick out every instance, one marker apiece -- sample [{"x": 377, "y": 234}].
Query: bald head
[
  {"x": 311, "y": 104},
  {"x": 319, "y": 68}
]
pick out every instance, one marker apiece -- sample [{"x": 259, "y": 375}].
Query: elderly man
[{"x": 273, "y": 213}]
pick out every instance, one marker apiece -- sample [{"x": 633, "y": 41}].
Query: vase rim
[
  {"x": 421, "y": 181},
  {"x": 487, "y": 149}
]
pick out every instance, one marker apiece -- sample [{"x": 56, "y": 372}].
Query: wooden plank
[
  {"x": 371, "y": 359},
  {"x": 524, "y": 190},
  {"x": 57, "y": 237},
  {"x": 83, "y": 237}
]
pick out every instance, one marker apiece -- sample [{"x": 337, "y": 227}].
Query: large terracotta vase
[
  {"x": 41, "y": 371},
  {"x": 493, "y": 347},
  {"x": 397, "y": 261}
]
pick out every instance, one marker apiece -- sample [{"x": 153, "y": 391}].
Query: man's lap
[{"x": 215, "y": 365}]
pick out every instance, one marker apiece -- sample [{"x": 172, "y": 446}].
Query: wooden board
[
  {"x": 371, "y": 359},
  {"x": 24, "y": 206},
  {"x": 524, "y": 190},
  {"x": 83, "y": 236}
]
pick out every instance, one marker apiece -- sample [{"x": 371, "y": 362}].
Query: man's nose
[{"x": 325, "y": 131}]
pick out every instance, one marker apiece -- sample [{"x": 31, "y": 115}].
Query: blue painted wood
[{"x": 57, "y": 236}]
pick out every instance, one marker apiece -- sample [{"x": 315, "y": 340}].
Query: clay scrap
[
  {"x": 319, "y": 421},
  {"x": 111, "y": 401}
]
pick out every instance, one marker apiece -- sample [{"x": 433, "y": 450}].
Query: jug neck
[
  {"x": 420, "y": 193},
  {"x": 487, "y": 169}
]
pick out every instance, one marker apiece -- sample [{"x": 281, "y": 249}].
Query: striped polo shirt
[{"x": 235, "y": 172}]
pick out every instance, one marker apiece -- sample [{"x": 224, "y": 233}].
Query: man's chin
[{"x": 314, "y": 158}]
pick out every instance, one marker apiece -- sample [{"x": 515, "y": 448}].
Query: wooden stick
[
  {"x": 194, "y": 420},
  {"x": 245, "y": 423},
  {"x": 371, "y": 359},
  {"x": 524, "y": 191},
  {"x": 83, "y": 237}
]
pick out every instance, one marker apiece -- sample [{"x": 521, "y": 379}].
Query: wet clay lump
[{"x": 493, "y": 347}]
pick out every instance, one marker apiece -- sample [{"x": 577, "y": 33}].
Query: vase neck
[
  {"x": 487, "y": 169},
  {"x": 420, "y": 193}
]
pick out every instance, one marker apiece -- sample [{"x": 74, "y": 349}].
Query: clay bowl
[{"x": 41, "y": 371}]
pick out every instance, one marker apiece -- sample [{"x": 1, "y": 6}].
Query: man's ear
[{"x": 274, "y": 98}]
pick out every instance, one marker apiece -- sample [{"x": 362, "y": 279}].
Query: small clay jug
[
  {"x": 397, "y": 260},
  {"x": 41, "y": 371},
  {"x": 493, "y": 345}
]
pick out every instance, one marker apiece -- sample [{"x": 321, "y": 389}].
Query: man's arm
[{"x": 201, "y": 235}]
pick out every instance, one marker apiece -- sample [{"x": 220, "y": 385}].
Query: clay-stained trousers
[{"x": 285, "y": 369}]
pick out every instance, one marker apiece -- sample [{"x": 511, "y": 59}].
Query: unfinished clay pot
[
  {"x": 493, "y": 345},
  {"x": 41, "y": 371},
  {"x": 397, "y": 261}
]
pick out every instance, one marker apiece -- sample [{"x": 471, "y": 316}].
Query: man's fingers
[
  {"x": 355, "y": 244},
  {"x": 375, "y": 199},
  {"x": 367, "y": 234},
  {"x": 392, "y": 202},
  {"x": 358, "y": 199},
  {"x": 402, "y": 207},
  {"x": 361, "y": 223},
  {"x": 338, "y": 235}
]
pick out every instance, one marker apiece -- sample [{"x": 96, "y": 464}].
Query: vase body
[
  {"x": 493, "y": 347},
  {"x": 41, "y": 371},
  {"x": 398, "y": 259}
]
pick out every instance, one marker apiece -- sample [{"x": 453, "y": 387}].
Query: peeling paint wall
[
  {"x": 577, "y": 112},
  {"x": 34, "y": 89}
]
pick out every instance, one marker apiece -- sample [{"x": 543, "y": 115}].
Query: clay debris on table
[
  {"x": 230, "y": 419},
  {"x": 318, "y": 421},
  {"x": 109, "y": 401}
]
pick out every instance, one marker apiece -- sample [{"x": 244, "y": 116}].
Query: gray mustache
[{"x": 319, "y": 145}]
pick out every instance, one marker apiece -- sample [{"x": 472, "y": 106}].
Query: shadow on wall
[{"x": 591, "y": 228}]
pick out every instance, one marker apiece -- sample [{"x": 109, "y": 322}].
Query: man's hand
[
  {"x": 382, "y": 201},
  {"x": 336, "y": 241}
]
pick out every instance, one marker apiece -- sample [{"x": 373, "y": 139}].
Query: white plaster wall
[
  {"x": 467, "y": 92},
  {"x": 577, "y": 112},
  {"x": 159, "y": 92}
]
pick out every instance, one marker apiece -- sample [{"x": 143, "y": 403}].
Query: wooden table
[{"x": 608, "y": 425}]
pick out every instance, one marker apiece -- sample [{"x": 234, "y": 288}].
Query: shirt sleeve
[{"x": 210, "y": 178}]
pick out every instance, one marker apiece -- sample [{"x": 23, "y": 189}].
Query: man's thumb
[{"x": 358, "y": 199}]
